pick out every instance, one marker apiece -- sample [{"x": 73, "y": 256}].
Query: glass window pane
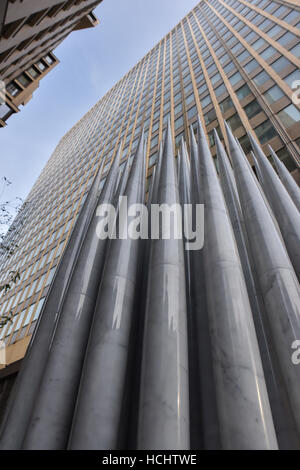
[
  {"x": 275, "y": 30},
  {"x": 245, "y": 144},
  {"x": 289, "y": 115},
  {"x": 226, "y": 104},
  {"x": 234, "y": 122},
  {"x": 13, "y": 89},
  {"x": 280, "y": 64},
  {"x": 23, "y": 80},
  {"x": 265, "y": 132},
  {"x": 291, "y": 16},
  {"x": 267, "y": 53},
  {"x": 252, "y": 109},
  {"x": 205, "y": 101},
  {"x": 296, "y": 50},
  {"x": 292, "y": 78},
  {"x": 210, "y": 116},
  {"x": 220, "y": 90},
  {"x": 192, "y": 112},
  {"x": 252, "y": 65},
  {"x": 33, "y": 72},
  {"x": 286, "y": 38},
  {"x": 243, "y": 92},
  {"x": 244, "y": 55},
  {"x": 235, "y": 78},
  {"x": 4, "y": 110},
  {"x": 261, "y": 78},
  {"x": 259, "y": 43},
  {"x": 229, "y": 67},
  {"x": 273, "y": 94}
]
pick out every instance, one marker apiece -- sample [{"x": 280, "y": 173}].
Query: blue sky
[{"x": 92, "y": 61}]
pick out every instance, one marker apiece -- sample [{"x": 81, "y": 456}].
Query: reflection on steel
[
  {"x": 243, "y": 405},
  {"x": 142, "y": 344},
  {"x": 27, "y": 383},
  {"x": 277, "y": 279},
  {"x": 99, "y": 404},
  {"x": 164, "y": 405},
  {"x": 283, "y": 421},
  {"x": 51, "y": 416},
  {"x": 284, "y": 209}
]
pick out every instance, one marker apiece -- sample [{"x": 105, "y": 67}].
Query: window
[
  {"x": 296, "y": 50},
  {"x": 192, "y": 112},
  {"x": 285, "y": 157},
  {"x": 243, "y": 56},
  {"x": 23, "y": 80},
  {"x": 154, "y": 141},
  {"x": 292, "y": 77},
  {"x": 234, "y": 122},
  {"x": 205, "y": 101},
  {"x": 265, "y": 24},
  {"x": 190, "y": 99},
  {"x": 229, "y": 67},
  {"x": 49, "y": 59},
  {"x": 220, "y": 90},
  {"x": 178, "y": 108},
  {"x": 273, "y": 94},
  {"x": 289, "y": 115},
  {"x": 286, "y": 38},
  {"x": 250, "y": 36},
  {"x": 210, "y": 116},
  {"x": 267, "y": 53},
  {"x": 202, "y": 89},
  {"x": 33, "y": 72},
  {"x": 212, "y": 137},
  {"x": 259, "y": 43},
  {"x": 245, "y": 144},
  {"x": 261, "y": 78},
  {"x": 252, "y": 109},
  {"x": 41, "y": 65},
  {"x": 38, "y": 309},
  {"x": 291, "y": 16},
  {"x": 4, "y": 111},
  {"x": 252, "y": 65},
  {"x": 215, "y": 78},
  {"x": 179, "y": 122},
  {"x": 226, "y": 104},
  {"x": 280, "y": 64},
  {"x": 243, "y": 92},
  {"x": 13, "y": 89},
  {"x": 274, "y": 31},
  {"x": 152, "y": 160},
  {"x": 265, "y": 131},
  {"x": 235, "y": 78},
  {"x": 280, "y": 11}
]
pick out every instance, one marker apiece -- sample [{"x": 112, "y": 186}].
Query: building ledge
[{"x": 88, "y": 21}]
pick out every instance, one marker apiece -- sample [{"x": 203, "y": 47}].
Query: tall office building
[
  {"x": 230, "y": 60},
  {"x": 29, "y": 32}
]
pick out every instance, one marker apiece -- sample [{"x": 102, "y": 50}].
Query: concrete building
[
  {"x": 233, "y": 61},
  {"x": 29, "y": 32}
]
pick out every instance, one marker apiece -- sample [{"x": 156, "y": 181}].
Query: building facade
[
  {"x": 228, "y": 60},
  {"x": 29, "y": 32}
]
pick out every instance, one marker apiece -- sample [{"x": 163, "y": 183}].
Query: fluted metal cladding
[
  {"x": 27, "y": 383},
  {"x": 284, "y": 209},
  {"x": 143, "y": 344}
]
